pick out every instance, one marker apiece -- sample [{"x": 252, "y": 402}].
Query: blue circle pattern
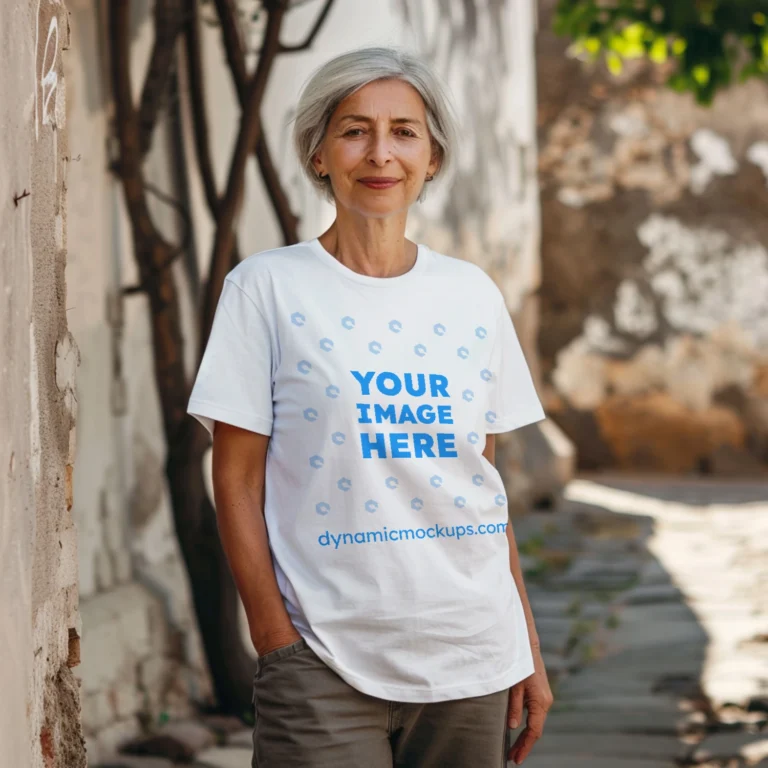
[{"x": 332, "y": 391}]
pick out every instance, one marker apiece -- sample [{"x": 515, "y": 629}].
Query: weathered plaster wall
[
  {"x": 39, "y": 622},
  {"x": 654, "y": 322}
]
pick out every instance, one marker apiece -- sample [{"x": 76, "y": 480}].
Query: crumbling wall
[
  {"x": 654, "y": 322},
  {"x": 39, "y": 622}
]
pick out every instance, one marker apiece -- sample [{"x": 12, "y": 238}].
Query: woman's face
[{"x": 377, "y": 149}]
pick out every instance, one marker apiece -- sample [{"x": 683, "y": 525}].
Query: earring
[{"x": 429, "y": 178}]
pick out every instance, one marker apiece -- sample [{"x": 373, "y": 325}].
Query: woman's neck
[{"x": 373, "y": 247}]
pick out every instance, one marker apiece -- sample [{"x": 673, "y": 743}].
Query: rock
[
  {"x": 222, "y": 724},
  {"x": 242, "y": 738},
  {"x": 225, "y": 757},
  {"x": 549, "y": 461},
  {"x": 656, "y": 432},
  {"x": 132, "y": 761},
  {"x": 180, "y": 741}
]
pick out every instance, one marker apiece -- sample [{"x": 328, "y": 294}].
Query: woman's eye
[{"x": 354, "y": 132}]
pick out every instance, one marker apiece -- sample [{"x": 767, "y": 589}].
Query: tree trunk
[{"x": 213, "y": 588}]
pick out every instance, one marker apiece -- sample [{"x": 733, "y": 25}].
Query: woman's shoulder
[{"x": 269, "y": 265}]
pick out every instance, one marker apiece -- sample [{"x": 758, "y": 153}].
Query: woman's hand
[
  {"x": 535, "y": 695},
  {"x": 266, "y": 643}
]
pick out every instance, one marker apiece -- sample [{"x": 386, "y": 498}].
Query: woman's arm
[
  {"x": 239, "y": 464},
  {"x": 532, "y": 693},
  {"x": 514, "y": 558}
]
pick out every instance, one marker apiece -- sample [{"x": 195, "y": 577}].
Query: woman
[{"x": 353, "y": 384}]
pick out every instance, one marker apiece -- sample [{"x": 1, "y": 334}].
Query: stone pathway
[{"x": 651, "y": 602}]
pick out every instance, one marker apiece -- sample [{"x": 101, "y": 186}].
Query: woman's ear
[
  {"x": 435, "y": 161},
  {"x": 318, "y": 165}
]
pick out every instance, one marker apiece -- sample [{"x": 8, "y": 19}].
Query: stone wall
[
  {"x": 654, "y": 322},
  {"x": 39, "y": 622}
]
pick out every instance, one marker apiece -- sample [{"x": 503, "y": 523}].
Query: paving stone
[
  {"x": 534, "y": 760},
  {"x": 645, "y": 594},
  {"x": 225, "y": 757},
  {"x": 554, "y": 633},
  {"x": 595, "y": 574},
  {"x": 605, "y": 744},
  {"x": 134, "y": 761},
  {"x": 551, "y": 605},
  {"x": 631, "y": 721},
  {"x": 242, "y": 738},
  {"x": 724, "y": 745}
]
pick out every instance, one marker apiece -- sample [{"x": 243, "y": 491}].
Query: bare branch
[
  {"x": 233, "y": 44},
  {"x": 169, "y": 19},
  {"x": 289, "y": 222},
  {"x": 153, "y": 254},
  {"x": 313, "y": 32},
  {"x": 197, "y": 102},
  {"x": 248, "y": 136},
  {"x": 180, "y": 209}
]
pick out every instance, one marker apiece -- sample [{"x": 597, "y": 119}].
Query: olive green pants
[{"x": 308, "y": 717}]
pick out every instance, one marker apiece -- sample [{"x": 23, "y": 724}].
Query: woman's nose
[{"x": 380, "y": 150}]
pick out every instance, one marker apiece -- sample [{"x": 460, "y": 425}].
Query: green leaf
[
  {"x": 701, "y": 74},
  {"x": 614, "y": 62},
  {"x": 658, "y": 52},
  {"x": 592, "y": 45},
  {"x": 679, "y": 46},
  {"x": 759, "y": 18}
]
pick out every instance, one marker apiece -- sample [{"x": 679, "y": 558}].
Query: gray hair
[{"x": 343, "y": 75}]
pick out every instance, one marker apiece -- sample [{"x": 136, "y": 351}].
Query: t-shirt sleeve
[
  {"x": 234, "y": 381},
  {"x": 513, "y": 398}
]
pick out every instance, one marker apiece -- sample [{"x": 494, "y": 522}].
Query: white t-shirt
[{"x": 386, "y": 522}]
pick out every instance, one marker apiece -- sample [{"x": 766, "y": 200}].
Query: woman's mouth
[{"x": 378, "y": 182}]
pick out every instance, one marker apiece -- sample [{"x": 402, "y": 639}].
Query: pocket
[{"x": 279, "y": 654}]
